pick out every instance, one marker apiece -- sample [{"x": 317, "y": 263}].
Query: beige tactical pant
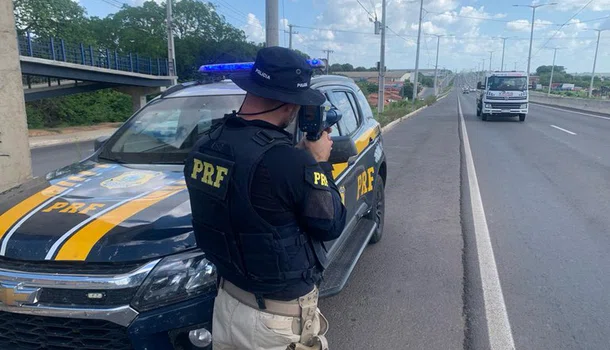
[{"x": 237, "y": 326}]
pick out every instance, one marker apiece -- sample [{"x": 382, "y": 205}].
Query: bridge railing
[{"x": 59, "y": 50}]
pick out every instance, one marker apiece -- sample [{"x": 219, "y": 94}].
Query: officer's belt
[{"x": 284, "y": 308}]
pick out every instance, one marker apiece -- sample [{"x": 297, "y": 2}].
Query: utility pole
[
  {"x": 381, "y": 91},
  {"x": 599, "y": 34},
  {"x": 515, "y": 65},
  {"x": 272, "y": 35},
  {"x": 552, "y": 71},
  {"x": 415, "y": 78},
  {"x": 171, "y": 52},
  {"x": 328, "y": 52},
  {"x": 503, "y": 47},
  {"x": 491, "y": 54},
  {"x": 438, "y": 45},
  {"x": 290, "y": 32},
  {"x": 529, "y": 56}
]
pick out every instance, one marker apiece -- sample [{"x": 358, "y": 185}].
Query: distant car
[{"x": 466, "y": 91}]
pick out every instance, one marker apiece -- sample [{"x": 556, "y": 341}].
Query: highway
[
  {"x": 545, "y": 198},
  {"x": 47, "y": 159}
]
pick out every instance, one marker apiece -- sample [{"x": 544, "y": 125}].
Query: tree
[
  {"x": 336, "y": 67},
  {"x": 547, "y": 69},
  {"x": 426, "y": 80},
  {"x": 360, "y": 69},
  {"x": 346, "y": 67},
  {"x": 367, "y": 87},
  {"x": 63, "y": 19},
  {"x": 407, "y": 89}
]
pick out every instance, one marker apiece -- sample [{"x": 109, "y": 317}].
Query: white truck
[{"x": 503, "y": 93}]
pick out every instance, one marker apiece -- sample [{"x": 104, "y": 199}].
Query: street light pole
[
  {"x": 272, "y": 35},
  {"x": 503, "y": 47},
  {"x": 415, "y": 78},
  {"x": 491, "y": 54},
  {"x": 171, "y": 52},
  {"x": 599, "y": 34},
  {"x": 529, "y": 56},
  {"x": 328, "y": 52},
  {"x": 438, "y": 45},
  {"x": 552, "y": 71},
  {"x": 381, "y": 91}
]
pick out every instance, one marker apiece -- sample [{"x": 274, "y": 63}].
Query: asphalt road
[
  {"x": 47, "y": 159},
  {"x": 545, "y": 189},
  {"x": 406, "y": 291}
]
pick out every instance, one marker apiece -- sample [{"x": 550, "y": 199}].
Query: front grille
[
  {"x": 505, "y": 105},
  {"x": 69, "y": 267},
  {"x": 504, "y": 98},
  {"x": 26, "y": 332},
  {"x": 110, "y": 297}
]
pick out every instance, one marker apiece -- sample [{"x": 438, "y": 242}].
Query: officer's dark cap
[{"x": 280, "y": 74}]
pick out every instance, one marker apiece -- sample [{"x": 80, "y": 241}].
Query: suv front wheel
[{"x": 378, "y": 210}]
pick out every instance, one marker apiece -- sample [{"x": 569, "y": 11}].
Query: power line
[
  {"x": 231, "y": 7},
  {"x": 367, "y": 11},
  {"x": 557, "y": 31},
  {"x": 374, "y": 10},
  {"x": 112, "y": 3}
]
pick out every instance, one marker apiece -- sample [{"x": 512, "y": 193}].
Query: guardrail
[
  {"x": 59, "y": 50},
  {"x": 584, "y": 104}
]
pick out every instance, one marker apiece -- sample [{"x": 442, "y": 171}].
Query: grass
[{"x": 399, "y": 109}]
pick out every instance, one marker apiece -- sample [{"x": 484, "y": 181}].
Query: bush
[
  {"x": 82, "y": 109},
  {"x": 430, "y": 100}
]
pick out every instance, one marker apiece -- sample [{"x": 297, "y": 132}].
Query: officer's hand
[{"x": 320, "y": 150}]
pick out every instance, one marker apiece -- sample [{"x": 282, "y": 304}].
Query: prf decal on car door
[{"x": 365, "y": 181}]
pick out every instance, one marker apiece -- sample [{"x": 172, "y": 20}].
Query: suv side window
[
  {"x": 349, "y": 122},
  {"x": 364, "y": 105}
]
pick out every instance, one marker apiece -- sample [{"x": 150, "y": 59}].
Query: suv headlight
[
  {"x": 524, "y": 106},
  {"x": 176, "y": 278},
  {"x": 488, "y": 105}
]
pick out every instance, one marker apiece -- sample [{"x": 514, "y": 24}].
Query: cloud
[
  {"x": 254, "y": 29},
  {"x": 573, "y": 5},
  {"x": 523, "y": 25}
]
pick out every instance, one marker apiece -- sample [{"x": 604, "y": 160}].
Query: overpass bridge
[{"x": 51, "y": 67}]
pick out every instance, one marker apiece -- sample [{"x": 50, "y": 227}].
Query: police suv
[{"x": 101, "y": 254}]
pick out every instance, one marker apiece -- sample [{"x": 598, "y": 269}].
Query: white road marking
[
  {"x": 562, "y": 129},
  {"x": 498, "y": 325},
  {"x": 575, "y": 112}
]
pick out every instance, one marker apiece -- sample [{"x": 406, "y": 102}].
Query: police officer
[{"x": 261, "y": 208}]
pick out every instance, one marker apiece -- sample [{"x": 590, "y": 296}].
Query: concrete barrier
[{"x": 583, "y": 104}]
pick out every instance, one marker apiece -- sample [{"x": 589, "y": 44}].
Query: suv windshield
[
  {"x": 507, "y": 83},
  {"x": 166, "y": 129}
]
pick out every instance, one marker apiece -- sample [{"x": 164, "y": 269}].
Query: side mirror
[
  {"x": 99, "y": 142},
  {"x": 479, "y": 86},
  {"x": 344, "y": 148}
]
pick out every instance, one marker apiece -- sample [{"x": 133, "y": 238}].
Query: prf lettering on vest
[
  {"x": 73, "y": 208},
  {"x": 320, "y": 179},
  {"x": 365, "y": 181},
  {"x": 212, "y": 175}
]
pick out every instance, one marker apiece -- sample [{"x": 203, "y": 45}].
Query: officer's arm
[{"x": 322, "y": 212}]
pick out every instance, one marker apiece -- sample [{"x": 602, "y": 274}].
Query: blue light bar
[{"x": 246, "y": 66}]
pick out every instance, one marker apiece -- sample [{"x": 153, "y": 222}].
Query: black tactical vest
[{"x": 247, "y": 251}]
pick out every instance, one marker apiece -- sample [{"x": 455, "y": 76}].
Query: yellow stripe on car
[
  {"x": 11, "y": 216},
  {"x": 80, "y": 244},
  {"x": 361, "y": 144}
]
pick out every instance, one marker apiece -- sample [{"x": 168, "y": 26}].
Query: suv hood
[{"x": 97, "y": 212}]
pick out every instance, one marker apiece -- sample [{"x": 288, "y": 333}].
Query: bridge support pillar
[
  {"x": 15, "y": 158},
  {"x": 138, "y": 94}
]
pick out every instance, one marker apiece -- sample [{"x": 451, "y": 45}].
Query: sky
[{"x": 471, "y": 29}]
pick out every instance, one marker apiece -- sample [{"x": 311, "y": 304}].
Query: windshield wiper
[
  {"x": 114, "y": 160},
  {"x": 168, "y": 162}
]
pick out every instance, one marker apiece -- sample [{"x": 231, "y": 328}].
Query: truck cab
[{"x": 503, "y": 94}]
